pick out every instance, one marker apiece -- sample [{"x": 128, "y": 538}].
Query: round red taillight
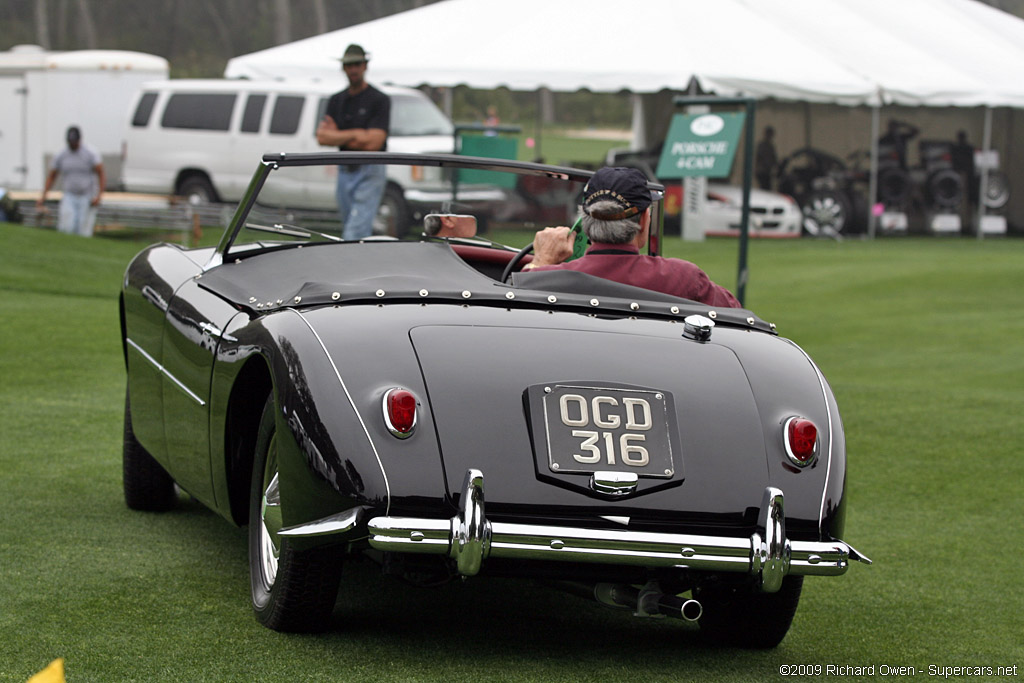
[
  {"x": 801, "y": 441},
  {"x": 400, "y": 412}
]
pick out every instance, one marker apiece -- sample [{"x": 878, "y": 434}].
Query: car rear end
[{"x": 619, "y": 442}]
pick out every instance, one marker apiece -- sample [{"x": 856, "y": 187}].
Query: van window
[
  {"x": 199, "y": 111},
  {"x": 287, "y": 111},
  {"x": 144, "y": 110},
  {"x": 411, "y": 115},
  {"x": 253, "y": 113}
]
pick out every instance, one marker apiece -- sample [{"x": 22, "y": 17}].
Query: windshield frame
[{"x": 272, "y": 162}]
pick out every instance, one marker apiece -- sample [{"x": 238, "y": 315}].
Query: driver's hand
[{"x": 551, "y": 246}]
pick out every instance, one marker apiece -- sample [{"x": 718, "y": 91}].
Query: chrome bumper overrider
[{"x": 469, "y": 538}]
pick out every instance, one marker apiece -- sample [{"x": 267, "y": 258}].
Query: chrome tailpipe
[{"x": 648, "y": 601}]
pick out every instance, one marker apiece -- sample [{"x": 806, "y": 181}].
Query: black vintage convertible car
[{"x": 423, "y": 404}]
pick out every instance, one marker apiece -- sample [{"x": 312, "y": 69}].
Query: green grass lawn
[{"x": 921, "y": 339}]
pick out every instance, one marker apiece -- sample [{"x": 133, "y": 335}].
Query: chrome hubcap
[
  {"x": 825, "y": 212},
  {"x": 383, "y": 222}
]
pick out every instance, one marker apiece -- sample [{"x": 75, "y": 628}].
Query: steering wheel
[{"x": 515, "y": 261}]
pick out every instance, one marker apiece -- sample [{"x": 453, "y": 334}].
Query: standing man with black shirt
[{"x": 357, "y": 120}]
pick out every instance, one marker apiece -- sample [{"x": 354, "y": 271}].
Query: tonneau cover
[{"x": 429, "y": 272}]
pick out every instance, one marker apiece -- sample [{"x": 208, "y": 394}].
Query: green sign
[
  {"x": 700, "y": 145},
  {"x": 493, "y": 147}
]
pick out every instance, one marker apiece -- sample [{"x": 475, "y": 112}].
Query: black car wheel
[
  {"x": 894, "y": 187},
  {"x": 291, "y": 590},
  {"x": 741, "y": 616},
  {"x": 393, "y": 217},
  {"x": 147, "y": 486},
  {"x": 196, "y": 189},
  {"x": 826, "y": 212},
  {"x": 944, "y": 189}
]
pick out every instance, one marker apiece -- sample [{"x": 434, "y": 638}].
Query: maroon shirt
[{"x": 623, "y": 263}]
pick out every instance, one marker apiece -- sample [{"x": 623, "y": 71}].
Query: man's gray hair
[
  {"x": 621, "y": 231},
  {"x": 431, "y": 224}
]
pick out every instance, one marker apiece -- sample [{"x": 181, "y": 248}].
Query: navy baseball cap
[{"x": 627, "y": 187}]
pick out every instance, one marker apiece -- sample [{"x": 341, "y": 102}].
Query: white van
[{"x": 203, "y": 138}]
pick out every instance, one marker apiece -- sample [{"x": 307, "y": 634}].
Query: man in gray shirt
[{"x": 83, "y": 180}]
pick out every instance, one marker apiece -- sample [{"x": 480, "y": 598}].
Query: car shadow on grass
[
  {"x": 493, "y": 616},
  {"x": 498, "y": 618}
]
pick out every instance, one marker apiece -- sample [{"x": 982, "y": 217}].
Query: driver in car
[{"x": 617, "y": 219}]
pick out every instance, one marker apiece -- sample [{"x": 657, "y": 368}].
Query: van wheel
[
  {"x": 393, "y": 217},
  {"x": 197, "y": 190}
]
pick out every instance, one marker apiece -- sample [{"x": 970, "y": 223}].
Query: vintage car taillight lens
[
  {"x": 801, "y": 436},
  {"x": 400, "y": 412}
]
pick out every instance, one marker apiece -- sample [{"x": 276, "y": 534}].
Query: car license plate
[{"x": 596, "y": 429}]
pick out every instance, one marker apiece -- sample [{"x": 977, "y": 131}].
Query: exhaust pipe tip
[{"x": 691, "y": 610}]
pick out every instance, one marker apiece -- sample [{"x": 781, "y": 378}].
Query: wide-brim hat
[{"x": 354, "y": 54}]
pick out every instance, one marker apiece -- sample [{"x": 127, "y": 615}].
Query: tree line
[{"x": 197, "y": 37}]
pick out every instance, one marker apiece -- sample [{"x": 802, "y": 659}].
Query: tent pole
[
  {"x": 743, "y": 273},
  {"x": 448, "y": 99},
  {"x": 986, "y": 144},
  {"x": 638, "y": 129},
  {"x": 873, "y": 181},
  {"x": 538, "y": 134}
]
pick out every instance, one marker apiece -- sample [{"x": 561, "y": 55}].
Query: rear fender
[
  {"x": 787, "y": 383},
  {"x": 328, "y": 462}
]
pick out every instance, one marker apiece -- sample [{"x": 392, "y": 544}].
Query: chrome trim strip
[
  {"x": 334, "y": 524},
  {"x": 470, "y": 538},
  {"x": 165, "y": 372},
  {"x": 355, "y": 409}
]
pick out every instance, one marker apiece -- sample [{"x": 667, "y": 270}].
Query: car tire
[
  {"x": 147, "y": 486},
  {"x": 393, "y": 218},
  {"x": 197, "y": 190},
  {"x": 825, "y": 212},
  {"x": 997, "y": 190},
  {"x": 944, "y": 190},
  {"x": 894, "y": 187},
  {"x": 292, "y": 590},
  {"x": 740, "y": 616}
]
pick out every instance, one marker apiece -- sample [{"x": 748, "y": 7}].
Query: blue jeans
[
  {"x": 76, "y": 215},
  {"x": 359, "y": 192}
]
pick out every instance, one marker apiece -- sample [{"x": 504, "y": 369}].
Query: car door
[{"x": 192, "y": 331}]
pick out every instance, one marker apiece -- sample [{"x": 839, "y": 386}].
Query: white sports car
[{"x": 771, "y": 214}]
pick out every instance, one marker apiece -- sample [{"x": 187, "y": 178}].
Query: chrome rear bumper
[{"x": 469, "y": 538}]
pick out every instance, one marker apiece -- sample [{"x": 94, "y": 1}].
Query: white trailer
[{"x": 43, "y": 93}]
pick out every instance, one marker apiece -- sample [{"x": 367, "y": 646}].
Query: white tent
[
  {"x": 917, "y": 52},
  {"x": 572, "y": 44}
]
